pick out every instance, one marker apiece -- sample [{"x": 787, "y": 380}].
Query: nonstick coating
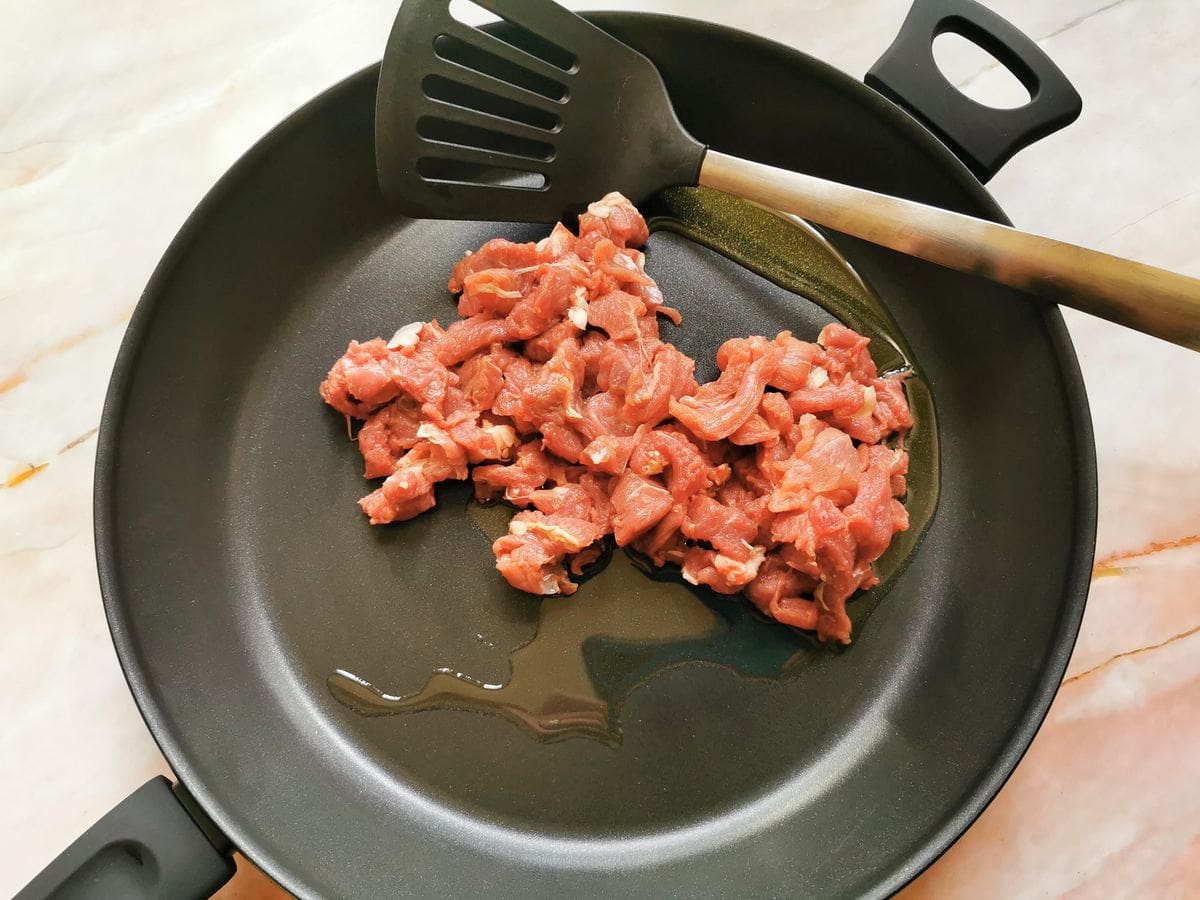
[{"x": 238, "y": 573}]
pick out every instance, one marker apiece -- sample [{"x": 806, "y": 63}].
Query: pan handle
[
  {"x": 982, "y": 137},
  {"x": 156, "y": 844}
]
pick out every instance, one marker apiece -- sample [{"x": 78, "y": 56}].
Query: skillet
[{"x": 237, "y": 572}]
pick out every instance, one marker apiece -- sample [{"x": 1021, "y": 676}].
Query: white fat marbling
[{"x": 116, "y": 117}]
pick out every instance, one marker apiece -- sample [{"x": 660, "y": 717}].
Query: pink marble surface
[{"x": 116, "y": 117}]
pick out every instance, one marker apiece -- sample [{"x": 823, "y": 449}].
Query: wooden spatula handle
[{"x": 1154, "y": 301}]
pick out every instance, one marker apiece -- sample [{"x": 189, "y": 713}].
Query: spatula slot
[
  {"x": 472, "y": 14},
  {"x": 437, "y": 129},
  {"x": 437, "y": 87},
  {"x": 476, "y": 58},
  {"x": 454, "y": 171}
]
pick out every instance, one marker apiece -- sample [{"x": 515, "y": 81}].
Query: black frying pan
[{"x": 238, "y": 574}]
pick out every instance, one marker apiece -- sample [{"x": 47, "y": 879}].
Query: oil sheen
[{"x": 628, "y": 623}]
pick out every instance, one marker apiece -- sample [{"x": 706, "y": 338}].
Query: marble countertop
[{"x": 115, "y": 118}]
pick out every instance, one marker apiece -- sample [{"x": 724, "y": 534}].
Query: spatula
[{"x": 525, "y": 127}]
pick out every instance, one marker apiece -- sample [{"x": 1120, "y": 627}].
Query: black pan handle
[
  {"x": 982, "y": 137},
  {"x": 156, "y": 844}
]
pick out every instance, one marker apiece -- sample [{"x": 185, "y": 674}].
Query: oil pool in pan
[{"x": 590, "y": 650}]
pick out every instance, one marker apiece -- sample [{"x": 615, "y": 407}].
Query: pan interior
[{"x": 605, "y": 684}]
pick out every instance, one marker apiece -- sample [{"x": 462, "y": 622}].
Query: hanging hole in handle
[{"x": 978, "y": 74}]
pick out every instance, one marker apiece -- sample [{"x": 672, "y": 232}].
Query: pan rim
[{"x": 1082, "y": 550}]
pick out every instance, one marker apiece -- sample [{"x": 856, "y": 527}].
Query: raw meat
[{"x": 772, "y": 481}]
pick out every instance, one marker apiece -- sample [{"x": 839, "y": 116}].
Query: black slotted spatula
[
  {"x": 470, "y": 126},
  {"x": 550, "y": 112}
]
